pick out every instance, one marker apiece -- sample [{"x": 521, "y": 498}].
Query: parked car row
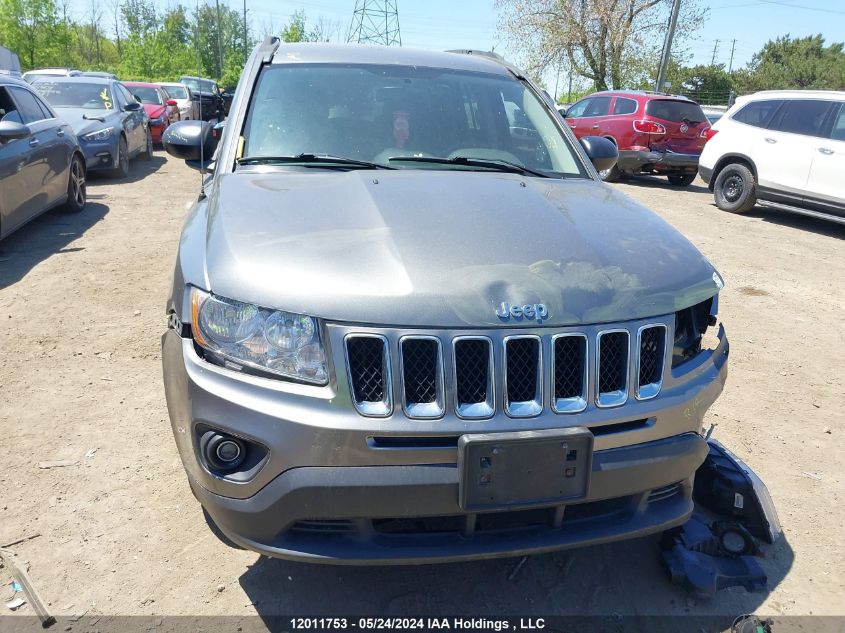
[{"x": 783, "y": 149}]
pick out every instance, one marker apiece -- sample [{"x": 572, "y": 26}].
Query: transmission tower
[{"x": 375, "y": 22}]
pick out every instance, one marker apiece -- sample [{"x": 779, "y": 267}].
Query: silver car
[
  {"x": 410, "y": 324},
  {"x": 41, "y": 163}
]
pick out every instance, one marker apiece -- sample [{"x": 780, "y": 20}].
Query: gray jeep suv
[{"x": 410, "y": 324}]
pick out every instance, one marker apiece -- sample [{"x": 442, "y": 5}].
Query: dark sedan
[
  {"x": 41, "y": 165},
  {"x": 111, "y": 124}
]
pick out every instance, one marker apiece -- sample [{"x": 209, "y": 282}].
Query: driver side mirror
[
  {"x": 133, "y": 106},
  {"x": 12, "y": 130},
  {"x": 171, "y": 102},
  {"x": 601, "y": 152}
]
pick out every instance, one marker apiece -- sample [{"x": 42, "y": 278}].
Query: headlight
[
  {"x": 241, "y": 335},
  {"x": 99, "y": 135},
  {"x": 157, "y": 121},
  {"x": 690, "y": 326}
]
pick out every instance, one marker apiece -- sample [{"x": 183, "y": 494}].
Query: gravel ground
[{"x": 82, "y": 308}]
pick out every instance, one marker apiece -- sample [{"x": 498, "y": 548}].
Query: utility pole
[
  {"x": 731, "y": 64},
  {"x": 667, "y": 46},
  {"x": 246, "y": 36},
  {"x": 715, "y": 49},
  {"x": 219, "y": 43}
]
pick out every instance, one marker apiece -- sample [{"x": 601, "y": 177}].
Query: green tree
[
  {"x": 799, "y": 63},
  {"x": 608, "y": 42},
  {"x": 295, "y": 29},
  {"x": 28, "y": 27}
]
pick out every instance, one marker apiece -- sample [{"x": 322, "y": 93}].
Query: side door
[
  {"x": 48, "y": 141},
  {"x": 594, "y": 117},
  {"x": 785, "y": 152},
  {"x": 826, "y": 184},
  {"x": 14, "y": 158},
  {"x": 134, "y": 121},
  {"x": 619, "y": 125}
]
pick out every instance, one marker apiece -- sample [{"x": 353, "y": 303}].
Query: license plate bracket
[{"x": 523, "y": 468}]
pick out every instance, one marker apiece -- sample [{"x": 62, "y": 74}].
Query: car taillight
[
  {"x": 649, "y": 127},
  {"x": 708, "y": 133}
]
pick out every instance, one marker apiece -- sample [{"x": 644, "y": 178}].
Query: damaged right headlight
[
  {"x": 243, "y": 337},
  {"x": 690, "y": 326}
]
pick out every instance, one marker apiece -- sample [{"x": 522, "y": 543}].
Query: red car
[
  {"x": 157, "y": 104},
  {"x": 655, "y": 133}
]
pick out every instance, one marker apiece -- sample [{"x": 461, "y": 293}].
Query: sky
[{"x": 444, "y": 24}]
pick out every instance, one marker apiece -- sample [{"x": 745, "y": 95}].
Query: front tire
[
  {"x": 122, "y": 168},
  {"x": 77, "y": 191},
  {"x": 681, "y": 180},
  {"x": 734, "y": 189}
]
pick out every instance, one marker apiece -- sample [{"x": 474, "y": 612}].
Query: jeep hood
[{"x": 445, "y": 248}]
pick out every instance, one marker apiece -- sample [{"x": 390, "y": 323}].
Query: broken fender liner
[{"x": 726, "y": 485}]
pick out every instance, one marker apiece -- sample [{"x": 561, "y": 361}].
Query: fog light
[
  {"x": 228, "y": 451},
  {"x": 222, "y": 452}
]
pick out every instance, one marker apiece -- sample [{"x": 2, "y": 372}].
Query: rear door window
[
  {"x": 803, "y": 116},
  {"x": 624, "y": 106},
  {"x": 675, "y": 111},
  {"x": 757, "y": 113}
]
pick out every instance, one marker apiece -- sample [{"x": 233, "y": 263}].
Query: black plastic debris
[
  {"x": 724, "y": 484},
  {"x": 703, "y": 575}
]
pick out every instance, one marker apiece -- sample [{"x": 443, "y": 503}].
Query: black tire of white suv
[{"x": 734, "y": 189}]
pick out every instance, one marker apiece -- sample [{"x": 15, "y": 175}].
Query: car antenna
[{"x": 202, "y": 121}]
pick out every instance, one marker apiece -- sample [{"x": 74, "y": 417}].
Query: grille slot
[
  {"x": 523, "y": 376},
  {"x": 422, "y": 376},
  {"x": 612, "y": 368},
  {"x": 368, "y": 365},
  {"x": 651, "y": 348},
  {"x": 473, "y": 376},
  {"x": 569, "y": 367}
]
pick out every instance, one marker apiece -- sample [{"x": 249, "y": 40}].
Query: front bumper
[
  {"x": 634, "y": 161},
  {"x": 328, "y": 492},
  {"x": 99, "y": 154},
  {"x": 410, "y": 514}
]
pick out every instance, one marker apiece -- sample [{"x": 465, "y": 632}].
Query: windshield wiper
[
  {"x": 468, "y": 161},
  {"x": 313, "y": 159},
  {"x": 93, "y": 118}
]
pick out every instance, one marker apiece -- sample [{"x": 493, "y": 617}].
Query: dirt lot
[{"x": 82, "y": 309}]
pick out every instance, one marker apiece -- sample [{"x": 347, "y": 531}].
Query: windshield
[
  {"x": 675, "y": 111},
  {"x": 176, "y": 92},
  {"x": 92, "y": 96},
  {"x": 375, "y": 113},
  {"x": 146, "y": 95},
  {"x": 200, "y": 85}
]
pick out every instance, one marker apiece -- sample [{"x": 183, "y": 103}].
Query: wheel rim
[
  {"x": 77, "y": 182},
  {"x": 732, "y": 187}
]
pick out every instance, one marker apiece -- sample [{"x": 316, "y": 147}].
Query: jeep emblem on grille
[{"x": 529, "y": 311}]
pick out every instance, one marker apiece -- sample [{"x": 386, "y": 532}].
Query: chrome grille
[
  {"x": 473, "y": 377},
  {"x": 422, "y": 376},
  {"x": 569, "y": 379},
  {"x": 612, "y": 368},
  {"x": 523, "y": 376},
  {"x": 652, "y": 348},
  {"x": 437, "y": 372},
  {"x": 368, "y": 365}
]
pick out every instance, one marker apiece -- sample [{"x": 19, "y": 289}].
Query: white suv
[{"x": 783, "y": 149}]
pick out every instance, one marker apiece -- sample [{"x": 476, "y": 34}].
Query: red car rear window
[{"x": 675, "y": 111}]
